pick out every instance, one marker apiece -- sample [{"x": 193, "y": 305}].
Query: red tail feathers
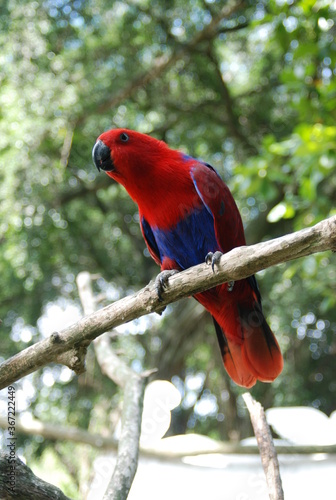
[{"x": 249, "y": 348}]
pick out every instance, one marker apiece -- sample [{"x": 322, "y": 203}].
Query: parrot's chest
[{"x": 189, "y": 240}]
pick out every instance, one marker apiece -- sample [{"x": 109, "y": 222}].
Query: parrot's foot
[
  {"x": 230, "y": 286},
  {"x": 161, "y": 281},
  {"x": 213, "y": 259}
]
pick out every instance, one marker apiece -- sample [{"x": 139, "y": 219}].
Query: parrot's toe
[
  {"x": 230, "y": 286},
  {"x": 213, "y": 259},
  {"x": 161, "y": 281}
]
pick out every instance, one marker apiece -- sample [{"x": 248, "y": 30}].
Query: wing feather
[
  {"x": 219, "y": 201},
  {"x": 150, "y": 240}
]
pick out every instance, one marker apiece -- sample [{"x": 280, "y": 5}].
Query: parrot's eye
[{"x": 124, "y": 137}]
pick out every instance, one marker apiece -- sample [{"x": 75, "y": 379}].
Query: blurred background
[{"x": 250, "y": 88}]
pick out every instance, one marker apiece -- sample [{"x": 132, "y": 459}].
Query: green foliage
[{"x": 256, "y": 98}]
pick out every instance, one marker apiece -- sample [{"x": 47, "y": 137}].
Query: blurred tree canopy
[{"x": 249, "y": 87}]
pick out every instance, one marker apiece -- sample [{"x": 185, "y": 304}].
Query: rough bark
[
  {"x": 133, "y": 385},
  {"x": 240, "y": 263},
  {"x": 128, "y": 449},
  {"x": 21, "y": 483},
  {"x": 268, "y": 455}
]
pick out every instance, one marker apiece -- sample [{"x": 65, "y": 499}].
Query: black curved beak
[{"x": 101, "y": 156}]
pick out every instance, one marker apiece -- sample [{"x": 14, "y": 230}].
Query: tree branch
[
  {"x": 18, "y": 482},
  {"x": 133, "y": 385},
  {"x": 237, "y": 264},
  {"x": 110, "y": 364},
  {"x": 128, "y": 448},
  {"x": 57, "y": 432},
  {"x": 269, "y": 458}
]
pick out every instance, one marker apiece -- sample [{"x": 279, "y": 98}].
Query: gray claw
[
  {"x": 208, "y": 258},
  {"x": 230, "y": 285},
  {"x": 161, "y": 281},
  {"x": 213, "y": 259}
]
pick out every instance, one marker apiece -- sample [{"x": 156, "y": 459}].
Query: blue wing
[
  {"x": 189, "y": 241},
  {"x": 149, "y": 238},
  {"x": 206, "y": 228},
  {"x": 218, "y": 199}
]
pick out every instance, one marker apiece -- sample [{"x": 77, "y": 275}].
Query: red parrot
[{"x": 187, "y": 213}]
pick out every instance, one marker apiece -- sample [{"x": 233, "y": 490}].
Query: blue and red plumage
[{"x": 187, "y": 211}]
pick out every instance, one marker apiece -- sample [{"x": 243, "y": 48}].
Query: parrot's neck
[{"x": 164, "y": 191}]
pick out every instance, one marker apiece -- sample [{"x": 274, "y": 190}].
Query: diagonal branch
[
  {"x": 128, "y": 447},
  {"x": 268, "y": 454},
  {"x": 133, "y": 385},
  {"x": 237, "y": 264},
  {"x": 18, "y": 482}
]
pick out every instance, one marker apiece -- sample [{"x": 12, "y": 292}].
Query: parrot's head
[
  {"x": 147, "y": 168},
  {"x": 125, "y": 154}
]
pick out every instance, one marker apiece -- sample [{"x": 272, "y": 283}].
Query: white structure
[{"x": 216, "y": 476}]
